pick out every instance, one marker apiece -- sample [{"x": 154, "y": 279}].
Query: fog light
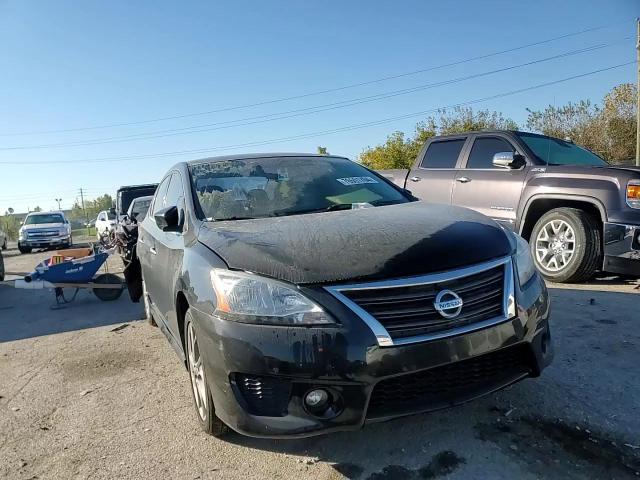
[{"x": 316, "y": 399}]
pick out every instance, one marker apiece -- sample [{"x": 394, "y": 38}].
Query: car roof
[
  {"x": 58, "y": 212},
  {"x": 146, "y": 197},
  {"x": 248, "y": 156}
]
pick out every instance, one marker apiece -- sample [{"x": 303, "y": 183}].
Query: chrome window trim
[{"x": 381, "y": 333}]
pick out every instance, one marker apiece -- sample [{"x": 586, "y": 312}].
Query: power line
[
  {"x": 320, "y": 92},
  {"x": 324, "y": 132},
  {"x": 305, "y": 111}
]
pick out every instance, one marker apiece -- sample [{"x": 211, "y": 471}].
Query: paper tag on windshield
[{"x": 356, "y": 180}]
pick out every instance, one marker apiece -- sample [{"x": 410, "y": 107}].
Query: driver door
[{"x": 492, "y": 191}]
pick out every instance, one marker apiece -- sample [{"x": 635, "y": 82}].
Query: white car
[{"x": 105, "y": 223}]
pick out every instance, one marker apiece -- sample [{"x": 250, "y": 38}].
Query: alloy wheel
[
  {"x": 196, "y": 371},
  {"x": 555, "y": 245}
]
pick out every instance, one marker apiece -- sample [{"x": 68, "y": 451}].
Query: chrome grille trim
[{"x": 382, "y": 335}]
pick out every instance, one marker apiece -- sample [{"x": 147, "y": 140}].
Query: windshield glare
[
  {"x": 554, "y": 151},
  {"x": 275, "y": 186},
  {"x": 44, "y": 218}
]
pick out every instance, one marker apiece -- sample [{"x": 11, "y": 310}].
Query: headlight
[
  {"x": 524, "y": 262},
  {"x": 249, "y": 298},
  {"x": 633, "y": 193},
  {"x": 21, "y": 234}
]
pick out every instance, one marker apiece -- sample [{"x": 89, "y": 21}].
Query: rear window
[{"x": 443, "y": 154}]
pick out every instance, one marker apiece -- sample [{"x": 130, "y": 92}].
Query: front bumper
[
  {"x": 621, "y": 248},
  {"x": 349, "y": 363},
  {"x": 45, "y": 242}
]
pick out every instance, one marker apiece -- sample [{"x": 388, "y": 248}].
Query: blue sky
[{"x": 69, "y": 65}]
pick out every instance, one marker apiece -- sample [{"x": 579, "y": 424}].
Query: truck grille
[
  {"x": 449, "y": 384},
  {"x": 409, "y": 311},
  {"x": 35, "y": 234}
]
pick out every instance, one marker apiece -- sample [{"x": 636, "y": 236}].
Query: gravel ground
[{"x": 90, "y": 392}]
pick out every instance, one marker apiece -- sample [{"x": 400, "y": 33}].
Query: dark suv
[
  {"x": 579, "y": 213},
  {"x": 307, "y": 294}
]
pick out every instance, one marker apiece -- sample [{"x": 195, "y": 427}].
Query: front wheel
[
  {"x": 565, "y": 244},
  {"x": 24, "y": 249},
  {"x": 205, "y": 410}
]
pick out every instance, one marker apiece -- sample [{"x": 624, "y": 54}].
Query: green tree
[
  {"x": 92, "y": 208},
  {"x": 400, "y": 151},
  {"x": 608, "y": 130},
  {"x": 10, "y": 225},
  {"x": 322, "y": 151}
]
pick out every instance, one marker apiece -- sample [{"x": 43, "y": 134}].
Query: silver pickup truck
[
  {"x": 579, "y": 213},
  {"x": 44, "y": 230}
]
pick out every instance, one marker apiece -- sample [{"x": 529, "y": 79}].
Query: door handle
[
  {"x": 153, "y": 250},
  {"x": 415, "y": 179},
  {"x": 463, "y": 179}
]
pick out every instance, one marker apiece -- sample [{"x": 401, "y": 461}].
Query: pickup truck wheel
[
  {"x": 1, "y": 268},
  {"x": 205, "y": 409},
  {"x": 565, "y": 244},
  {"x": 24, "y": 249}
]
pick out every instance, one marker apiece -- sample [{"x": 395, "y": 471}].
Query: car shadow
[{"x": 33, "y": 313}]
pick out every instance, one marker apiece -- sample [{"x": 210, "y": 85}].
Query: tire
[
  {"x": 571, "y": 250},
  {"x": 108, "y": 294},
  {"x": 147, "y": 307},
  {"x": 4, "y": 245},
  {"x": 1, "y": 268},
  {"x": 203, "y": 402},
  {"x": 24, "y": 249}
]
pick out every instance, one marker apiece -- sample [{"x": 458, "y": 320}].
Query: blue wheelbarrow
[{"x": 74, "y": 268}]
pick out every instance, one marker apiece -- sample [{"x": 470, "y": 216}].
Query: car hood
[{"x": 366, "y": 244}]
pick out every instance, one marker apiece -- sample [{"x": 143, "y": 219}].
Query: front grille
[
  {"x": 42, "y": 233},
  {"x": 449, "y": 384},
  {"x": 409, "y": 311},
  {"x": 263, "y": 396}
]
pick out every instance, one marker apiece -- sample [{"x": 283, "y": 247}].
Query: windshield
[
  {"x": 138, "y": 209},
  {"x": 554, "y": 151},
  {"x": 275, "y": 186},
  {"x": 44, "y": 218},
  {"x": 111, "y": 216}
]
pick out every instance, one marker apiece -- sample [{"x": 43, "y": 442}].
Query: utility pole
[
  {"x": 58, "y": 200},
  {"x": 638, "y": 94},
  {"x": 82, "y": 200}
]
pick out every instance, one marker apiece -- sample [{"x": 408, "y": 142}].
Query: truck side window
[
  {"x": 484, "y": 149},
  {"x": 443, "y": 154}
]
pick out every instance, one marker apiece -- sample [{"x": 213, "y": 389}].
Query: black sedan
[{"x": 307, "y": 294}]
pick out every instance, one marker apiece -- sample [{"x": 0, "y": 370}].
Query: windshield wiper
[
  {"x": 233, "y": 218},
  {"x": 330, "y": 208}
]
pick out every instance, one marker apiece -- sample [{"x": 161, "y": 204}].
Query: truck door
[
  {"x": 492, "y": 191},
  {"x": 432, "y": 180}
]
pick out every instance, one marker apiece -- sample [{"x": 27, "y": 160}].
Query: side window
[
  {"x": 484, "y": 149},
  {"x": 174, "y": 191},
  {"x": 158, "y": 201},
  {"x": 443, "y": 154}
]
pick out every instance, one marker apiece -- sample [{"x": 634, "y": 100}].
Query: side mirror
[
  {"x": 508, "y": 160},
  {"x": 168, "y": 219}
]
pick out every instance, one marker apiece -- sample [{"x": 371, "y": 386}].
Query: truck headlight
[
  {"x": 633, "y": 193},
  {"x": 249, "y": 298},
  {"x": 524, "y": 261},
  {"x": 21, "y": 234}
]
